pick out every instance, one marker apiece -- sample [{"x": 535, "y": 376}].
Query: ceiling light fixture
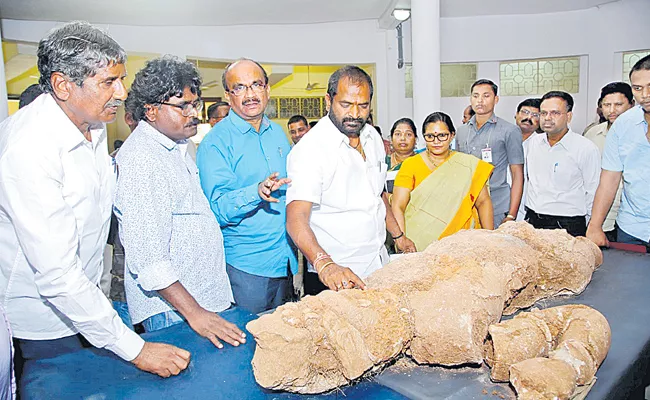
[{"x": 401, "y": 14}]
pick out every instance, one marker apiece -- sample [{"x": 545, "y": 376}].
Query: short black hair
[
  {"x": 642, "y": 64},
  {"x": 559, "y": 95},
  {"x": 617, "y": 87},
  {"x": 407, "y": 121},
  {"x": 225, "y": 72},
  {"x": 159, "y": 80},
  {"x": 213, "y": 108},
  {"x": 438, "y": 116},
  {"x": 297, "y": 118},
  {"x": 351, "y": 72},
  {"x": 118, "y": 143},
  {"x": 529, "y": 103},
  {"x": 312, "y": 124},
  {"x": 494, "y": 86},
  {"x": 471, "y": 110},
  {"x": 30, "y": 94}
]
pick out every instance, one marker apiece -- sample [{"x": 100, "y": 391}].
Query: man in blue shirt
[
  {"x": 242, "y": 166},
  {"x": 627, "y": 155}
]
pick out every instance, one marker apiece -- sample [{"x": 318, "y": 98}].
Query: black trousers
[{"x": 575, "y": 226}]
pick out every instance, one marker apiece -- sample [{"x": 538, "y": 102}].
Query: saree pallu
[{"x": 443, "y": 203}]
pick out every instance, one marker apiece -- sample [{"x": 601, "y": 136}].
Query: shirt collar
[
  {"x": 154, "y": 134},
  {"x": 71, "y": 136},
  {"x": 638, "y": 114},
  {"x": 492, "y": 120},
  {"x": 243, "y": 126},
  {"x": 565, "y": 142}
]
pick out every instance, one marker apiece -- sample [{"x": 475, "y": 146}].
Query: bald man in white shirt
[{"x": 56, "y": 190}]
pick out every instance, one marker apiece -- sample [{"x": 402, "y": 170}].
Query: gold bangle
[{"x": 327, "y": 264}]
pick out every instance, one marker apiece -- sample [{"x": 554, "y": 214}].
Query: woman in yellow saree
[{"x": 439, "y": 191}]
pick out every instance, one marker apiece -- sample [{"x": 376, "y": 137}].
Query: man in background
[
  {"x": 298, "y": 127},
  {"x": 468, "y": 113},
  {"x": 615, "y": 99},
  {"x": 498, "y": 142},
  {"x": 627, "y": 156},
  {"x": 217, "y": 112},
  {"x": 563, "y": 169}
]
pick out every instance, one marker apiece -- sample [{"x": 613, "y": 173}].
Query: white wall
[
  {"x": 599, "y": 35},
  {"x": 359, "y": 42}
]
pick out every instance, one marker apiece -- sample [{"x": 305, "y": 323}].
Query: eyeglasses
[
  {"x": 240, "y": 89},
  {"x": 553, "y": 114},
  {"x": 529, "y": 113},
  {"x": 430, "y": 137},
  {"x": 186, "y": 108}
]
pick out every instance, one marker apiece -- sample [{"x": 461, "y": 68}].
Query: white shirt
[
  {"x": 167, "y": 228},
  {"x": 597, "y": 135},
  {"x": 348, "y": 215},
  {"x": 562, "y": 180},
  {"x": 56, "y": 193}
]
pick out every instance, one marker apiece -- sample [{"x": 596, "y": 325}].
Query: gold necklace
[{"x": 434, "y": 163}]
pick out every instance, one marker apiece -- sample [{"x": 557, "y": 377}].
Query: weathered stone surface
[{"x": 436, "y": 305}]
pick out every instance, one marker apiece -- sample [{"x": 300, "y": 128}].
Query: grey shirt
[
  {"x": 504, "y": 139},
  {"x": 167, "y": 228}
]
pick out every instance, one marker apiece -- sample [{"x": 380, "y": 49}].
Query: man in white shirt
[
  {"x": 56, "y": 188},
  {"x": 173, "y": 243},
  {"x": 615, "y": 99},
  {"x": 527, "y": 119},
  {"x": 563, "y": 169},
  {"x": 337, "y": 213}
]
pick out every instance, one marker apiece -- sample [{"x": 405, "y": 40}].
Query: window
[
  {"x": 455, "y": 79},
  {"x": 536, "y": 77},
  {"x": 287, "y": 107},
  {"x": 629, "y": 59}
]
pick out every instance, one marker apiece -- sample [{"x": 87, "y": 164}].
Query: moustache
[
  {"x": 360, "y": 121},
  {"x": 193, "y": 122},
  {"x": 249, "y": 101},
  {"x": 114, "y": 103},
  {"x": 526, "y": 121}
]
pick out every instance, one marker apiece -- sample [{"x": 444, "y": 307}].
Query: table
[{"x": 620, "y": 289}]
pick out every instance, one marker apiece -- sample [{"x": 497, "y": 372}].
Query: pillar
[{"x": 425, "y": 48}]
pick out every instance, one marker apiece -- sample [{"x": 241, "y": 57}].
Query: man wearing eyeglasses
[
  {"x": 563, "y": 169},
  {"x": 172, "y": 243},
  {"x": 242, "y": 165},
  {"x": 527, "y": 119}
]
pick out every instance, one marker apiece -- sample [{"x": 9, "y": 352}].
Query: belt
[{"x": 546, "y": 216}]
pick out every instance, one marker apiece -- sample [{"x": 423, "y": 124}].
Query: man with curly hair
[
  {"x": 56, "y": 192},
  {"x": 172, "y": 241}
]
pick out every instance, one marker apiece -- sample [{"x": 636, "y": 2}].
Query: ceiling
[{"x": 241, "y": 12}]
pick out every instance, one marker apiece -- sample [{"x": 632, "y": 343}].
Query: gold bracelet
[{"x": 327, "y": 264}]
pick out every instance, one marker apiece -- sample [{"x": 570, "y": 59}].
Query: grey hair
[{"x": 77, "y": 50}]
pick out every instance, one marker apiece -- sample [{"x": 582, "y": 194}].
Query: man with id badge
[{"x": 497, "y": 142}]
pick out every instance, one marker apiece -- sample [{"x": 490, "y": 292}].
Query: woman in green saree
[{"x": 439, "y": 191}]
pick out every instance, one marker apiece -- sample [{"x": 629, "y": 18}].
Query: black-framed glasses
[
  {"x": 529, "y": 113},
  {"x": 239, "y": 89},
  {"x": 430, "y": 137},
  {"x": 186, "y": 108}
]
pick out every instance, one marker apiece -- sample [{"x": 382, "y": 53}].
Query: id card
[{"x": 486, "y": 154}]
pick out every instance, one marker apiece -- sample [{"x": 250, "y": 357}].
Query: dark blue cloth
[
  {"x": 212, "y": 373},
  {"x": 257, "y": 294}
]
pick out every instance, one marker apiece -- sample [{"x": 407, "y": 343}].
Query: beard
[{"x": 348, "y": 126}]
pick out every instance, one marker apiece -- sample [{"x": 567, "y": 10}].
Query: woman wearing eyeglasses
[{"x": 439, "y": 191}]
